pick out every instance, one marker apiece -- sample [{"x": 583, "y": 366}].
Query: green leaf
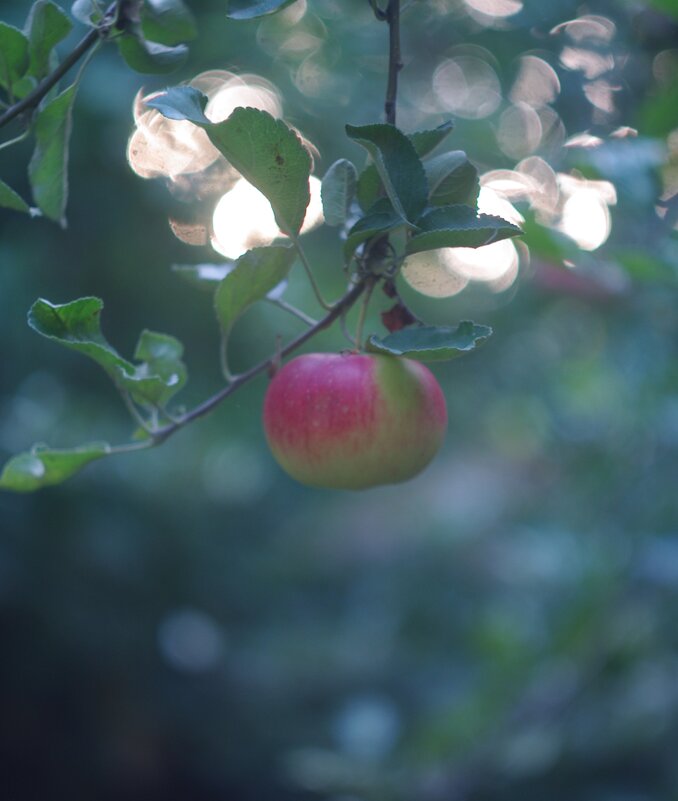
[
  {"x": 271, "y": 157},
  {"x": 249, "y": 9},
  {"x": 160, "y": 357},
  {"x": 181, "y": 103},
  {"x": 452, "y": 179},
  {"x": 431, "y": 343},
  {"x": 398, "y": 165},
  {"x": 337, "y": 191},
  {"x": 255, "y": 275},
  {"x": 149, "y": 58},
  {"x": 42, "y": 467},
  {"x": 370, "y": 187},
  {"x": 48, "y": 167},
  {"x": 264, "y": 150},
  {"x": 76, "y": 326},
  {"x": 459, "y": 227},
  {"x": 369, "y": 226},
  {"x": 9, "y": 199},
  {"x": 24, "y": 86},
  {"x": 45, "y": 27},
  {"x": 14, "y": 57},
  {"x": 426, "y": 141},
  {"x": 167, "y": 22}
]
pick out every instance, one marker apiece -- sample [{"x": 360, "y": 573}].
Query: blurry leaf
[
  {"x": 87, "y": 11},
  {"x": 426, "y": 141},
  {"x": 337, "y": 191},
  {"x": 271, "y": 157},
  {"x": 149, "y": 58},
  {"x": 181, "y": 103},
  {"x": 42, "y": 467},
  {"x": 45, "y": 27},
  {"x": 459, "y": 227},
  {"x": 398, "y": 165},
  {"x": 13, "y": 55},
  {"x": 76, "y": 326},
  {"x": 160, "y": 357},
  {"x": 452, "y": 179},
  {"x": 205, "y": 276},
  {"x": 167, "y": 22},
  {"x": 367, "y": 227},
  {"x": 632, "y": 165},
  {"x": 431, "y": 343},
  {"x": 9, "y": 199},
  {"x": 249, "y": 9},
  {"x": 548, "y": 243},
  {"x": 658, "y": 112},
  {"x": 255, "y": 274},
  {"x": 48, "y": 168},
  {"x": 642, "y": 265},
  {"x": 669, "y": 7},
  {"x": 24, "y": 86}
]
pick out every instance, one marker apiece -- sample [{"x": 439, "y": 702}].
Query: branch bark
[
  {"x": 339, "y": 308},
  {"x": 394, "y": 62},
  {"x": 84, "y": 45}
]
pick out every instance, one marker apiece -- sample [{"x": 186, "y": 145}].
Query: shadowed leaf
[{"x": 431, "y": 343}]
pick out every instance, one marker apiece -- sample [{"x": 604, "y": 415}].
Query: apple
[{"x": 352, "y": 420}]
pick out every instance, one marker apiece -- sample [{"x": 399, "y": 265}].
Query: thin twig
[
  {"x": 16, "y": 140},
  {"x": 203, "y": 408},
  {"x": 288, "y": 307},
  {"x": 86, "y": 43},
  {"x": 394, "y": 63},
  {"x": 309, "y": 272},
  {"x": 363, "y": 315}
]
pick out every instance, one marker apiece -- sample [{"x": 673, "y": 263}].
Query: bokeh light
[
  {"x": 492, "y": 13},
  {"x": 170, "y": 149},
  {"x": 467, "y": 86},
  {"x": 243, "y": 219},
  {"x": 585, "y": 215}
]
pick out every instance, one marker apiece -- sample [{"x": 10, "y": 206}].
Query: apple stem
[
  {"x": 340, "y": 307},
  {"x": 223, "y": 354},
  {"x": 363, "y": 314},
  {"x": 309, "y": 272}
]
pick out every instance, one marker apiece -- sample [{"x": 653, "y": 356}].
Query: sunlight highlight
[
  {"x": 170, "y": 149},
  {"x": 467, "y": 86},
  {"x": 243, "y": 219},
  {"x": 443, "y": 273},
  {"x": 492, "y": 13},
  {"x": 585, "y": 216}
]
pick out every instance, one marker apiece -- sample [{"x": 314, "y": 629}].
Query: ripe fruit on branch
[{"x": 352, "y": 421}]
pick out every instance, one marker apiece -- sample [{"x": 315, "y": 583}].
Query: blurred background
[{"x": 189, "y": 623}]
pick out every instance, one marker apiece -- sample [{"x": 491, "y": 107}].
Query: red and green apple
[{"x": 352, "y": 420}]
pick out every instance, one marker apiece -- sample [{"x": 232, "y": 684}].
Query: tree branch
[
  {"x": 394, "y": 62},
  {"x": 341, "y": 306},
  {"x": 84, "y": 45}
]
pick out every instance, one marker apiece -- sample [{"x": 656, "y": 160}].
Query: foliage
[{"x": 186, "y": 622}]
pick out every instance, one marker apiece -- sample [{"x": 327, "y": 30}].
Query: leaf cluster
[{"x": 408, "y": 198}]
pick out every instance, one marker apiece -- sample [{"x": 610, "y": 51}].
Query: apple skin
[{"x": 353, "y": 421}]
